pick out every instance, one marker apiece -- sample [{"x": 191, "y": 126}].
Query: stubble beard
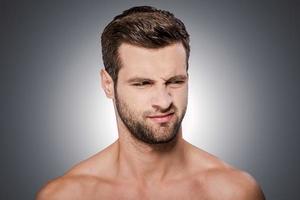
[{"x": 147, "y": 133}]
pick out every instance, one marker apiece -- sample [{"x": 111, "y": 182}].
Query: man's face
[{"x": 151, "y": 92}]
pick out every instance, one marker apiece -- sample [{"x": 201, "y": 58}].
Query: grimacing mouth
[{"x": 160, "y": 116}]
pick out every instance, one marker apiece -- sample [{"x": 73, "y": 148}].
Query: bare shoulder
[
  {"x": 229, "y": 183},
  {"x": 222, "y": 181},
  {"x": 66, "y": 187},
  {"x": 84, "y": 178},
  {"x": 72, "y": 186}
]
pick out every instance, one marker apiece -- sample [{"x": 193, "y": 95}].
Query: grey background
[{"x": 244, "y": 88}]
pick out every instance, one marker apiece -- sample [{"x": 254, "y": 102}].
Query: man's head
[
  {"x": 145, "y": 53},
  {"x": 142, "y": 26}
]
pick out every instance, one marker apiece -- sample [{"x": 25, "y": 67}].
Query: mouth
[{"x": 162, "y": 118}]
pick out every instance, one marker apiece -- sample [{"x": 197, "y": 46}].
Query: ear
[{"x": 107, "y": 83}]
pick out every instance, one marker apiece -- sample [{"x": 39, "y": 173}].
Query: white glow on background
[
  {"x": 82, "y": 117},
  {"x": 221, "y": 104}
]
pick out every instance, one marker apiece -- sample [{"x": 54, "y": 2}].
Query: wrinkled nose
[{"x": 162, "y": 100}]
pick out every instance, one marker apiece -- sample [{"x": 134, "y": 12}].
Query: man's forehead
[
  {"x": 127, "y": 74},
  {"x": 163, "y": 62}
]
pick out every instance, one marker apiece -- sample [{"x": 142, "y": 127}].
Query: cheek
[
  {"x": 182, "y": 102},
  {"x": 136, "y": 101},
  {"x": 180, "y": 98}
]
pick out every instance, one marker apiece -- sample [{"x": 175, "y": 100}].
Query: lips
[{"x": 161, "y": 118}]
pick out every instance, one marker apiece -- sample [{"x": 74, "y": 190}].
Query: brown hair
[{"x": 142, "y": 26}]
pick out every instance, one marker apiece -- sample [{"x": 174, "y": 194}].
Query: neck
[{"x": 148, "y": 162}]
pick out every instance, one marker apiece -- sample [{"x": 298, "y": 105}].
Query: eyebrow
[
  {"x": 140, "y": 79},
  {"x": 177, "y": 77}
]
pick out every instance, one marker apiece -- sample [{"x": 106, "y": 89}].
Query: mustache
[{"x": 171, "y": 109}]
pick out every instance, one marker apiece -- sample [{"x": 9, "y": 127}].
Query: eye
[
  {"x": 142, "y": 83},
  {"x": 176, "y": 82}
]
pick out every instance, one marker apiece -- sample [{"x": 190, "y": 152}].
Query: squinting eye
[
  {"x": 143, "y": 83},
  {"x": 175, "y": 82}
]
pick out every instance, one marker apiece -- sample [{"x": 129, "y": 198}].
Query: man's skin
[{"x": 132, "y": 169}]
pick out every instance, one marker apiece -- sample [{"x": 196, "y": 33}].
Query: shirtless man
[{"x": 145, "y": 53}]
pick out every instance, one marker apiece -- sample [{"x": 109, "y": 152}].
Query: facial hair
[{"x": 141, "y": 130}]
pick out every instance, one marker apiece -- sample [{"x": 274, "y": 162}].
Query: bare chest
[{"x": 187, "y": 190}]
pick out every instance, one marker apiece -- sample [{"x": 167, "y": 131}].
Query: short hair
[{"x": 143, "y": 26}]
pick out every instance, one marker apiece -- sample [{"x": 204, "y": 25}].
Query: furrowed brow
[
  {"x": 138, "y": 79},
  {"x": 141, "y": 79},
  {"x": 178, "y": 77}
]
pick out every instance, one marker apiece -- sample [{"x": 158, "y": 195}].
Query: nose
[{"x": 162, "y": 99}]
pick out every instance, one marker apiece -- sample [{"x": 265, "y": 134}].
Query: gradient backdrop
[{"x": 243, "y": 100}]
